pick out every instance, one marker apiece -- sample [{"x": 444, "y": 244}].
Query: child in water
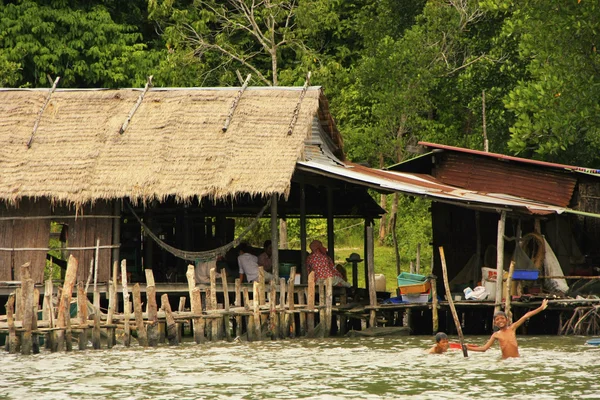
[
  {"x": 506, "y": 334},
  {"x": 441, "y": 344}
]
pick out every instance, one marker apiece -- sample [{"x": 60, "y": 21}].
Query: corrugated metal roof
[{"x": 425, "y": 185}]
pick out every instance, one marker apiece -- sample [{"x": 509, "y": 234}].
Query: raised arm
[
  {"x": 486, "y": 346},
  {"x": 529, "y": 314}
]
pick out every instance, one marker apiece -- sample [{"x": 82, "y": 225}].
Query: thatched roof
[{"x": 173, "y": 146}]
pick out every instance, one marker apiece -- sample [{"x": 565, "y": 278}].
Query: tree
[{"x": 78, "y": 41}]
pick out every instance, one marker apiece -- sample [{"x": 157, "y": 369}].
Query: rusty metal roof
[{"x": 427, "y": 186}]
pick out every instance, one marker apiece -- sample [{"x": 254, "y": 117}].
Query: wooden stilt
[
  {"x": 256, "y": 309},
  {"x": 152, "y": 332},
  {"x": 82, "y": 315},
  {"x": 170, "y": 321},
  {"x": 292, "y": 320},
  {"x": 434, "y": 306},
  {"x": 500, "y": 260},
  {"x": 27, "y": 304},
  {"x": 139, "y": 319},
  {"x": 180, "y": 325},
  {"x": 10, "y": 319},
  {"x": 302, "y": 319},
  {"x": 371, "y": 270},
  {"x": 226, "y": 325},
  {"x": 195, "y": 305},
  {"x": 126, "y": 310},
  {"x": 209, "y": 321},
  {"x": 216, "y": 325},
  {"x": 507, "y": 310},
  {"x": 250, "y": 319},
  {"x": 273, "y": 320},
  {"x": 310, "y": 306},
  {"x": 34, "y": 322},
  {"x": 51, "y": 335},
  {"x": 284, "y": 317},
  {"x": 329, "y": 304},
  {"x": 342, "y": 318},
  {"x": 238, "y": 303},
  {"x": 321, "y": 308},
  {"x": 64, "y": 316},
  {"x": 96, "y": 336},
  {"x": 112, "y": 306}
]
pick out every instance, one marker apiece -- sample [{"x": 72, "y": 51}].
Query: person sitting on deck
[
  {"x": 506, "y": 334},
  {"x": 441, "y": 344},
  {"x": 248, "y": 264},
  {"x": 319, "y": 262},
  {"x": 264, "y": 258}
]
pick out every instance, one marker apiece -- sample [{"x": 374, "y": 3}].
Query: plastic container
[
  {"x": 380, "y": 283},
  {"x": 416, "y": 298},
  {"x": 525, "y": 274}
]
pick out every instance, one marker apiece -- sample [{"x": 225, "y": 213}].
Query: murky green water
[{"x": 340, "y": 368}]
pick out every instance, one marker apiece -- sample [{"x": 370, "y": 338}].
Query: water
[{"x": 338, "y": 368}]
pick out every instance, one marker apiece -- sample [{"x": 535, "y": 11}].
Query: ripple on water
[{"x": 340, "y": 368}]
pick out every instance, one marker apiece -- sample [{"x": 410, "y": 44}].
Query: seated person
[
  {"x": 319, "y": 262},
  {"x": 202, "y": 270},
  {"x": 264, "y": 258},
  {"x": 248, "y": 264}
]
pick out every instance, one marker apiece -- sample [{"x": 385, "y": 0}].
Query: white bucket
[{"x": 380, "y": 283}]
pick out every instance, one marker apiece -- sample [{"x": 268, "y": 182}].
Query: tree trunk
[{"x": 283, "y": 236}]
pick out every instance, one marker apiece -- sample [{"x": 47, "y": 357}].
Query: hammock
[{"x": 199, "y": 256}]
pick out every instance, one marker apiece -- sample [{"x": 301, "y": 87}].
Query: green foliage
[{"x": 81, "y": 44}]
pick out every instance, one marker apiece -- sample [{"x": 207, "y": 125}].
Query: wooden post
[
  {"x": 274, "y": 237},
  {"x": 64, "y": 317},
  {"x": 10, "y": 319},
  {"x": 434, "y": 305},
  {"x": 302, "y": 316},
  {"x": 112, "y": 306},
  {"x": 139, "y": 319},
  {"x": 329, "y": 304},
  {"x": 180, "y": 309},
  {"x": 273, "y": 320},
  {"x": 51, "y": 335},
  {"x": 195, "y": 305},
  {"x": 216, "y": 326},
  {"x": 27, "y": 287},
  {"x": 303, "y": 270},
  {"x": 152, "y": 309},
  {"x": 500, "y": 261},
  {"x": 321, "y": 308},
  {"x": 330, "y": 224},
  {"x": 34, "y": 320},
  {"x": 226, "y": 324},
  {"x": 508, "y": 299},
  {"x": 451, "y": 303},
  {"x": 256, "y": 309},
  {"x": 284, "y": 317},
  {"x": 371, "y": 266},
  {"x": 310, "y": 306},
  {"x": 171, "y": 325},
  {"x": 210, "y": 322},
  {"x": 82, "y": 314},
  {"x": 291, "y": 295},
  {"x": 250, "y": 318},
  {"x": 96, "y": 292},
  {"x": 261, "y": 295},
  {"x": 238, "y": 303},
  {"x": 126, "y": 332},
  {"x": 96, "y": 331}
]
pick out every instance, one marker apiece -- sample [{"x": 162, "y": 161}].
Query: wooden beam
[
  {"x": 500, "y": 260},
  {"x": 303, "y": 270}
]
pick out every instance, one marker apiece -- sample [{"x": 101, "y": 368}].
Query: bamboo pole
[
  {"x": 500, "y": 260},
  {"x": 310, "y": 306},
  {"x": 126, "y": 311},
  {"x": 82, "y": 314},
  {"x": 434, "y": 300},
  {"x": 139, "y": 319},
  {"x": 64, "y": 317},
  {"x": 171, "y": 325},
  {"x": 451, "y": 303},
  {"x": 508, "y": 299},
  {"x": 152, "y": 310}
]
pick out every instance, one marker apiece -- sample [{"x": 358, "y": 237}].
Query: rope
[{"x": 200, "y": 255}]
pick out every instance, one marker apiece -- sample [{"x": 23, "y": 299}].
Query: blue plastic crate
[{"x": 525, "y": 274}]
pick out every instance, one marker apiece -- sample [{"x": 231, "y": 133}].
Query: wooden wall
[{"x": 24, "y": 233}]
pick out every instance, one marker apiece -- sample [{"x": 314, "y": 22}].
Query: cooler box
[{"x": 413, "y": 283}]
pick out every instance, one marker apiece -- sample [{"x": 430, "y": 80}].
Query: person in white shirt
[{"x": 248, "y": 264}]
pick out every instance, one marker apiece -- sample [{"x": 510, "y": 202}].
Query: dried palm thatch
[{"x": 173, "y": 146}]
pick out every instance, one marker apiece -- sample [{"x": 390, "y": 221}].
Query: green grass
[{"x": 385, "y": 263}]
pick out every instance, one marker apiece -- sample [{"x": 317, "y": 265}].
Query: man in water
[
  {"x": 441, "y": 344},
  {"x": 506, "y": 334}
]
